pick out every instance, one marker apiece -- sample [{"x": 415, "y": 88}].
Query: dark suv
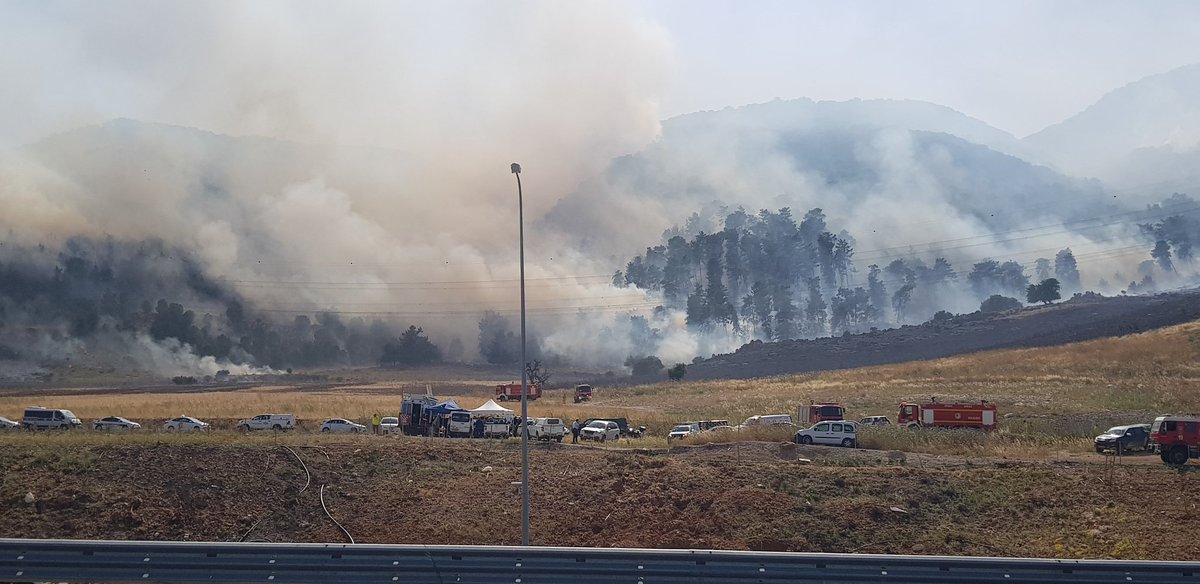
[{"x": 1122, "y": 439}]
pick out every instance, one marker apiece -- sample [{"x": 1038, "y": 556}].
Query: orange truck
[
  {"x": 512, "y": 391},
  {"x": 935, "y": 414}
]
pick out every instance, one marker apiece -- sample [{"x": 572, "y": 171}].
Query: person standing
[
  {"x": 375, "y": 421},
  {"x": 575, "y": 431}
]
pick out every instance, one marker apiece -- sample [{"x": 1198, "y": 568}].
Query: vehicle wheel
[
  {"x": 276, "y": 427},
  {"x": 848, "y": 442},
  {"x": 559, "y": 439},
  {"x": 325, "y": 429},
  {"x": 1099, "y": 450},
  {"x": 1120, "y": 449},
  {"x": 1178, "y": 455},
  {"x": 170, "y": 428},
  {"x": 806, "y": 439},
  {"x": 603, "y": 437},
  {"x": 1163, "y": 456}
]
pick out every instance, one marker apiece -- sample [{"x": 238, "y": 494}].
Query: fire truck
[
  {"x": 1178, "y": 438},
  {"x": 512, "y": 391},
  {"x": 813, "y": 413},
  {"x": 934, "y": 414},
  {"x": 583, "y": 392}
]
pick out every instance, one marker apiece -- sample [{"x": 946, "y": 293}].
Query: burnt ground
[
  {"x": 761, "y": 496},
  {"x": 1082, "y": 318}
]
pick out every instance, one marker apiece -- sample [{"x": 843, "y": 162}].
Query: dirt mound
[
  {"x": 1079, "y": 319},
  {"x": 460, "y": 492}
]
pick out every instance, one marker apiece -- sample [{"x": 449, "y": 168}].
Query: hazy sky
[{"x": 1019, "y": 65}]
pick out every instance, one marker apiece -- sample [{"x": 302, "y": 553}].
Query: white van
[
  {"x": 39, "y": 418},
  {"x": 460, "y": 424}
]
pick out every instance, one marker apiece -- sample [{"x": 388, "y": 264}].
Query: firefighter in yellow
[{"x": 375, "y": 423}]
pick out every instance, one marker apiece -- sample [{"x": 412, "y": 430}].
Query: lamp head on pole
[{"x": 516, "y": 168}]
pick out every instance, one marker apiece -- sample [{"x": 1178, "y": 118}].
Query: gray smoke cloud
[{"x": 379, "y": 185}]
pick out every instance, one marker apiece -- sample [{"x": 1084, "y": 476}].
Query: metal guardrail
[{"x": 27, "y": 560}]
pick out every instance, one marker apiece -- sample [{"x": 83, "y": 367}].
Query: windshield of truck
[
  {"x": 553, "y": 421},
  {"x": 1117, "y": 431},
  {"x": 598, "y": 425},
  {"x": 389, "y": 420},
  {"x": 681, "y": 429}
]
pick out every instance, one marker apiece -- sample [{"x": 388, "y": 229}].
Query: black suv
[{"x": 1122, "y": 439}]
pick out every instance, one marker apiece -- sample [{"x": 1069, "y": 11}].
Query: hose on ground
[{"x": 330, "y": 516}]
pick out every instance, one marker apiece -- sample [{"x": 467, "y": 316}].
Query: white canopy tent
[{"x": 492, "y": 409}]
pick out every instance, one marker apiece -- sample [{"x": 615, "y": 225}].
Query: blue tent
[{"x": 444, "y": 408}]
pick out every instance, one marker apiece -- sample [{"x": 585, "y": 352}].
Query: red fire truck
[
  {"x": 512, "y": 391},
  {"x": 1178, "y": 438},
  {"x": 583, "y": 392},
  {"x": 980, "y": 415},
  {"x": 813, "y": 413}
]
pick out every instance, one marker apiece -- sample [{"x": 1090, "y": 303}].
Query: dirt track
[
  {"x": 1079, "y": 319},
  {"x": 751, "y": 496}
]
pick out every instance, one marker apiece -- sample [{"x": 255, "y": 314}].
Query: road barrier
[{"x": 28, "y": 560}]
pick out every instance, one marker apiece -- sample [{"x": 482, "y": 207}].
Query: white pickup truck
[
  {"x": 547, "y": 429},
  {"x": 268, "y": 422}
]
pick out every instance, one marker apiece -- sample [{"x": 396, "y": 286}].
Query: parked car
[
  {"x": 342, "y": 426},
  {"x": 389, "y": 425},
  {"x": 622, "y": 424},
  {"x": 115, "y": 423},
  {"x": 39, "y": 418},
  {"x": 275, "y": 422},
  {"x": 185, "y": 424},
  {"x": 7, "y": 424},
  {"x": 721, "y": 429},
  {"x": 1124, "y": 438},
  {"x": 547, "y": 429},
  {"x": 768, "y": 420},
  {"x": 875, "y": 421},
  {"x": 601, "y": 430},
  {"x": 681, "y": 431},
  {"x": 833, "y": 433}
]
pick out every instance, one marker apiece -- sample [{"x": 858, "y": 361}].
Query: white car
[
  {"x": 185, "y": 424},
  {"x": 832, "y": 433},
  {"x": 115, "y": 423},
  {"x": 342, "y": 426},
  {"x": 389, "y": 425},
  {"x": 602, "y": 430},
  {"x": 7, "y": 424},
  {"x": 681, "y": 431}
]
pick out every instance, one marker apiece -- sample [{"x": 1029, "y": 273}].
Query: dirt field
[{"x": 744, "y": 496}]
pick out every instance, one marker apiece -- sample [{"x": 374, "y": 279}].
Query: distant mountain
[
  {"x": 1145, "y": 133},
  {"x": 865, "y": 162}
]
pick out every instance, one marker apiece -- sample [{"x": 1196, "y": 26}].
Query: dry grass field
[
  {"x": 1036, "y": 476},
  {"x": 1054, "y": 397}
]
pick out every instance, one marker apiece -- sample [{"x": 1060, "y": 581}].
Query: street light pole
[{"x": 516, "y": 169}]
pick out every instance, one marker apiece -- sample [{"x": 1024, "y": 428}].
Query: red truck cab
[
  {"x": 980, "y": 415},
  {"x": 583, "y": 392},
  {"x": 1178, "y": 438}
]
